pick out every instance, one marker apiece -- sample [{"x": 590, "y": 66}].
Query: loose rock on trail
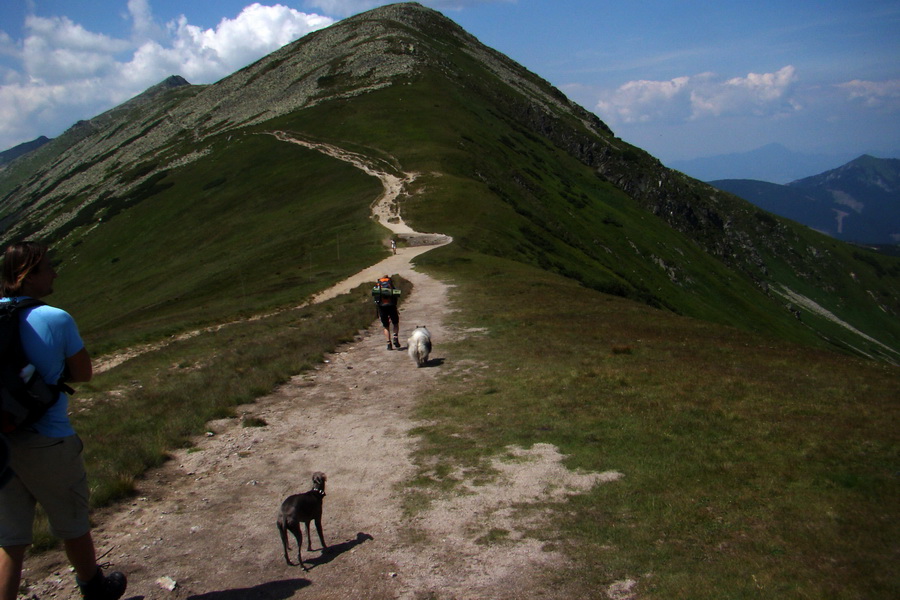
[{"x": 203, "y": 525}]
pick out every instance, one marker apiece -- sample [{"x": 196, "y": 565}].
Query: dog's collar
[{"x": 317, "y": 491}]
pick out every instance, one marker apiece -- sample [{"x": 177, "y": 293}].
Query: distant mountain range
[
  {"x": 7, "y": 156},
  {"x": 857, "y": 202},
  {"x": 773, "y": 163}
]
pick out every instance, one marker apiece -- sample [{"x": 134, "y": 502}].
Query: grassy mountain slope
[
  {"x": 222, "y": 237},
  {"x": 501, "y": 193},
  {"x": 559, "y": 210},
  {"x": 508, "y": 166}
]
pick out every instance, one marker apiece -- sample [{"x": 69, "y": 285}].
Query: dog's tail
[
  {"x": 282, "y": 533},
  {"x": 419, "y": 349}
]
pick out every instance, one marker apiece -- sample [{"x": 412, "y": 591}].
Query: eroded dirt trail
[
  {"x": 203, "y": 526},
  {"x": 207, "y": 520}
]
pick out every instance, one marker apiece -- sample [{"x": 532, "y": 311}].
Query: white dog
[{"x": 420, "y": 345}]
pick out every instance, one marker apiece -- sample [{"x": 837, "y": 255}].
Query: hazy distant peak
[{"x": 773, "y": 163}]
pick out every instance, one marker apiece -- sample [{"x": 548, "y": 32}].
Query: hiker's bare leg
[
  {"x": 12, "y": 558},
  {"x": 82, "y": 556}
]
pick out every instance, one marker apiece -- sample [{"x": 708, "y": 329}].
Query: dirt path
[{"x": 204, "y": 524}]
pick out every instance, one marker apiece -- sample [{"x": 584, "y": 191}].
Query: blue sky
[{"x": 681, "y": 79}]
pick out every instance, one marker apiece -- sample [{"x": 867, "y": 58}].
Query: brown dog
[{"x": 302, "y": 508}]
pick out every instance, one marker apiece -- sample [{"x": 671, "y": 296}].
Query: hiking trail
[{"x": 202, "y": 526}]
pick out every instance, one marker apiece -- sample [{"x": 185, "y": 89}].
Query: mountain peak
[
  {"x": 169, "y": 83},
  {"x": 773, "y": 163},
  {"x": 857, "y": 201},
  {"x": 172, "y": 81},
  {"x": 22, "y": 149}
]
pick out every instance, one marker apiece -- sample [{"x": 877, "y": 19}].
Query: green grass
[
  {"x": 255, "y": 225},
  {"x": 752, "y": 467}
]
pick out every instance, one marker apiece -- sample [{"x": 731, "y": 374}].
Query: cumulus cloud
[
  {"x": 7, "y": 45},
  {"x": 642, "y": 101},
  {"x": 874, "y": 94},
  {"x": 255, "y": 32},
  {"x": 700, "y": 96},
  {"x": 67, "y": 72},
  {"x": 57, "y": 50},
  {"x": 144, "y": 26}
]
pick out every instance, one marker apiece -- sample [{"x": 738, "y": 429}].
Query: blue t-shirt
[{"x": 49, "y": 336}]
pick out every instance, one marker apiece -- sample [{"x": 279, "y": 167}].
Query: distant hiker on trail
[
  {"x": 385, "y": 296},
  {"x": 45, "y": 459},
  {"x": 394, "y": 246}
]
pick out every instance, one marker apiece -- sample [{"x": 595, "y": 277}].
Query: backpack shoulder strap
[
  {"x": 11, "y": 345},
  {"x": 22, "y": 303}
]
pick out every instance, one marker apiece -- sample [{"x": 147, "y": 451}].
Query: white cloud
[
  {"x": 67, "y": 72},
  {"x": 642, "y": 101},
  {"x": 56, "y": 50},
  {"x": 237, "y": 42},
  {"x": 874, "y": 94},
  {"x": 7, "y": 45},
  {"x": 756, "y": 94},
  {"x": 144, "y": 26},
  {"x": 700, "y": 96},
  {"x": 38, "y": 104}
]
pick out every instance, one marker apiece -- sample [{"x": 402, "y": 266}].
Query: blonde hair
[{"x": 19, "y": 260}]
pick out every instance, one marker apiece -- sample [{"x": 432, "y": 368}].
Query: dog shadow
[
  {"x": 273, "y": 590},
  {"x": 285, "y": 588},
  {"x": 335, "y": 550},
  {"x": 433, "y": 362}
]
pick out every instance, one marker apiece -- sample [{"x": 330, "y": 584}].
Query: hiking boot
[
  {"x": 396, "y": 343},
  {"x": 389, "y": 346},
  {"x": 104, "y": 587}
]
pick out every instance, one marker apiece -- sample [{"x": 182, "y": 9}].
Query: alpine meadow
[{"x": 738, "y": 368}]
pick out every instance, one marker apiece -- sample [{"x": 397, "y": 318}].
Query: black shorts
[{"x": 388, "y": 312}]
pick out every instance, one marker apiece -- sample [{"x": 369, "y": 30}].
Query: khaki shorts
[{"x": 49, "y": 472}]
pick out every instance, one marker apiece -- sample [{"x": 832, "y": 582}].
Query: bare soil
[{"x": 203, "y": 525}]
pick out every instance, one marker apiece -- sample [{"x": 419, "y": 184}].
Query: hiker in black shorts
[
  {"x": 46, "y": 458},
  {"x": 385, "y": 296}
]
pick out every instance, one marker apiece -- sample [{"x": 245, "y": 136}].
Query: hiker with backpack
[
  {"x": 45, "y": 457},
  {"x": 385, "y": 296}
]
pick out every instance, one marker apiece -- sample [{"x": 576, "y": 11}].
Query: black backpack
[{"x": 24, "y": 396}]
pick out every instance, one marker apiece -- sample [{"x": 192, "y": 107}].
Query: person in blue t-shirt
[{"x": 46, "y": 460}]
